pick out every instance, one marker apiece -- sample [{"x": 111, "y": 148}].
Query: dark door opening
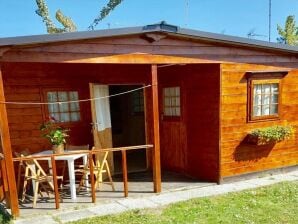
[{"x": 128, "y": 126}]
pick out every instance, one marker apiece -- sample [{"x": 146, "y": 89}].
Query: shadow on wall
[{"x": 251, "y": 152}]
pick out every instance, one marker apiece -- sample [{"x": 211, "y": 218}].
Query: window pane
[
  {"x": 53, "y": 108},
  {"x": 55, "y": 116},
  {"x": 257, "y": 111},
  {"x": 75, "y": 116},
  {"x": 266, "y": 99},
  {"x": 274, "y": 98},
  {"x": 52, "y": 97},
  {"x": 173, "y": 101},
  {"x": 62, "y": 96},
  {"x": 63, "y": 107},
  {"x": 178, "y": 101},
  {"x": 257, "y": 89},
  {"x": 167, "y": 111},
  {"x": 73, "y": 95},
  {"x": 274, "y": 88},
  {"x": 167, "y": 101},
  {"x": 177, "y": 111},
  {"x": 74, "y": 107},
  {"x": 257, "y": 100},
  {"x": 274, "y": 109},
  {"x": 265, "y": 110},
  {"x": 266, "y": 88},
  {"x": 64, "y": 117}
]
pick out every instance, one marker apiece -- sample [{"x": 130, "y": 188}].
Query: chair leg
[
  {"x": 110, "y": 177},
  {"x": 25, "y": 184},
  {"x": 19, "y": 177},
  {"x": 35, "y": 193},
  {"x": 82, "y": 181}
]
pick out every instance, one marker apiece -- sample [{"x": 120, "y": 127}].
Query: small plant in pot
[
  {"x": 55, "y": 134},
  {"x": 270, "y": 135}
]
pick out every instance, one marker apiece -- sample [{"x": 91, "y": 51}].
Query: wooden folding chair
[
  {"x": 101, "y": 167},
  {"x": 40, "y": 180}
]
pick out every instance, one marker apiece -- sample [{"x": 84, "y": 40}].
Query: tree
[
  {"x": 67, "y": 23},
  {"x": 288, "y": 35}
]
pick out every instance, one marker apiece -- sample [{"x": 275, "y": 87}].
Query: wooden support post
[
  {"x": 7, "y": 152},
  {"x": 54, "y": 173},
  {"x": 124, "y": 172},
  {"x": 92, "y": 177},
  {"x": 5, "y": 183},
  {"x": 156, "y": 149}
]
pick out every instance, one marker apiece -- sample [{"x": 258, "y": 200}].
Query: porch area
[
  {"x": 184, "y": 138},
  {"x": 140, "y": 185}
]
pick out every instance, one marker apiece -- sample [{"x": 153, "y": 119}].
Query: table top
[{"x": 59, "y": 157}]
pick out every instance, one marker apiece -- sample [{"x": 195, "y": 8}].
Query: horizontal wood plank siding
[
  {"x": 237, "y": 157},
  {"x": 25, "y": 82}
]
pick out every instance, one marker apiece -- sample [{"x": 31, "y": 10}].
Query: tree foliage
[
  {"x": 104, "y": 12},
  {"x": 288, "y": 34},
  {"x": 66, "y": 22}
]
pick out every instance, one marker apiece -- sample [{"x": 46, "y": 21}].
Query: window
[
  {"x": 138, "y": 101},
  {"x": 64, "y": 112},
  {"x": 264, "y": 95},
  {"x": 171, "y": 101}
]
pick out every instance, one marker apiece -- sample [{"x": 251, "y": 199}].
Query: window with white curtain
[
  {"x": 265, "y": 99},
  {"x": 64, "y": 112},
  {"x": 171, "y": 101}
]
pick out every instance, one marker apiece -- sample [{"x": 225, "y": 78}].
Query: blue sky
[{"x": 232, "y": 17}]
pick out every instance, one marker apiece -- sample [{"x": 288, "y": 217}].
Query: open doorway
[{"x": 128, "y": 126}]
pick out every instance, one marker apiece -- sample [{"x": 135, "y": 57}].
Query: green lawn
[{"x": 274, "y": 204}]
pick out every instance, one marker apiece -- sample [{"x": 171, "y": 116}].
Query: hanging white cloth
[{"x": 102, "y": 107}]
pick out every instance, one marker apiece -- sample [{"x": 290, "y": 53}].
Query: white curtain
[{"x": 102, "y": 107}]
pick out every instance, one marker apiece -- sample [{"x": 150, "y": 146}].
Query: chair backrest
[
  {"x": 77, "y": 147},
  {"x": 100, "y": 157},
  {"x": 36, "y": 172}
]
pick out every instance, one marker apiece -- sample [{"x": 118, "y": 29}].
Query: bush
[{"x": 273, "y": 134}]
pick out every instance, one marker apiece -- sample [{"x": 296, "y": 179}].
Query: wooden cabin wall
[
  {"x": 190, "y": 144},
  {"x": 202, "y": 90},
  {"x": 237, "y": 157},
  {"x": 25, "y": 82}
]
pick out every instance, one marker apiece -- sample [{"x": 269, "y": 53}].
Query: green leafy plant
[
  {"x": 271, "y": 134},
  {"x": 54, "y": 133}
]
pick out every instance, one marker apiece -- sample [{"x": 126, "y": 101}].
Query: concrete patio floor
[{"x": 140, "y": 185}]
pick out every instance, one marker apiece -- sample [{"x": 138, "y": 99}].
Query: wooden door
[
  {"x": 172, "y": 128},
  {"x": 101, "y": 119}
]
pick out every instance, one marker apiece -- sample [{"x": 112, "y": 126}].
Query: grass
[
  {"x": 273, "y": 204},
  {"x": 5, "y": 217}
]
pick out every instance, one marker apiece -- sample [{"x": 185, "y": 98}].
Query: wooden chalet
[{"x": 195, "y": 106}]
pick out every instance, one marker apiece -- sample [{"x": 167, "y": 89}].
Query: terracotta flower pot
[{"x": 57, "y": 149}]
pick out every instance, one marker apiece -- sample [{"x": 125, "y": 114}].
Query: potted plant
[
  {"x": 55, "y": 134},
  {"x": 269, "y": 135}
]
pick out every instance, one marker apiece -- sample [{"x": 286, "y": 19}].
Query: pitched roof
[{"x": 159, "y": 28}]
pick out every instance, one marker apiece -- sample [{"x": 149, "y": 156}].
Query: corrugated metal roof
[{"x": 160, "y": 27}]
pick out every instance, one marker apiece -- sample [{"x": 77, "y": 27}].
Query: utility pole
[
  {"x": 186, "y": 12},
  {"x": 269, "y": 20}
]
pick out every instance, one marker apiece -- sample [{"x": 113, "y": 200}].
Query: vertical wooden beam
[
  {"x": 7, "y": 152},
  {"x": 92, "y": 180},
  {"x": 156, "y": 149},
  {"x": 56, "y": 191},
  {"x": 124, "y": 172}
]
